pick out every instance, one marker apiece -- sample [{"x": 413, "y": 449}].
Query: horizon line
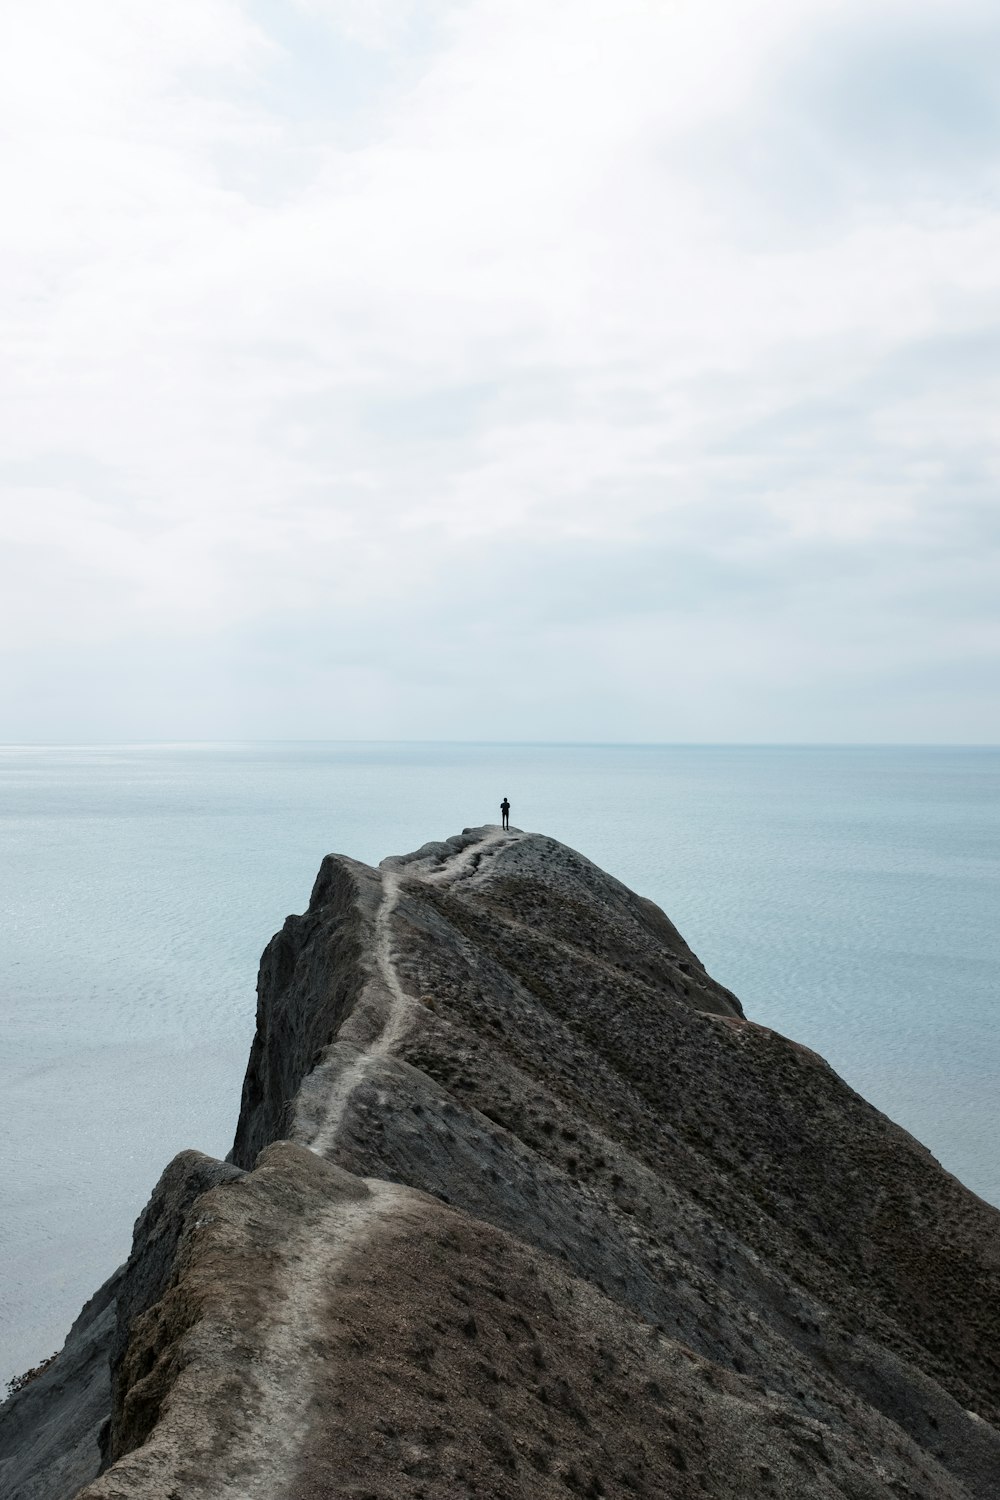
[{"x": 125, "y": 744}]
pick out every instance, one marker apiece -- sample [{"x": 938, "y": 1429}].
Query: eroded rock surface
[{"x": 521, "y": 1205}]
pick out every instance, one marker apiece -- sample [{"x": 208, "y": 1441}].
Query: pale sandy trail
[
  {"x": 457, "y": 867},
  {"x": 400, "y": 1009},
  {"x": 269, "y": 1459},
  {"x": 270, "y": 1454},
  {"x": 346, "y": 1225}
]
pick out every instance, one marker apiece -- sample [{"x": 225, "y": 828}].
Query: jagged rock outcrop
[{"x": 521, "y": 1205}]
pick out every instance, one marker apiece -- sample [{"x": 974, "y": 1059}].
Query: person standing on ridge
[{"x": 505, "y": 811}]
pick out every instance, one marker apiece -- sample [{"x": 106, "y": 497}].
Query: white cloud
[{"x": 522, "y": 278}]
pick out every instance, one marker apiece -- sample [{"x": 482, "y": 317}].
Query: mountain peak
[{"x": 520, "y": 1204}]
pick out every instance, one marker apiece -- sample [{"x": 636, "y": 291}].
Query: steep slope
[{"x": 520, "y": 1204}]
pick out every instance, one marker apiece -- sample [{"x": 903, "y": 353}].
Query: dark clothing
[{"x": 505, "y": 811}]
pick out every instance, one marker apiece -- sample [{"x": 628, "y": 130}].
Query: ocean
[{"x": 848, "y": 895}]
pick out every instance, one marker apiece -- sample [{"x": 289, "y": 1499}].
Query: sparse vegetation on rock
[{"x": 520, "y": 1205}]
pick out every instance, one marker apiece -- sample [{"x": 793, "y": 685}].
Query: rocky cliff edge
[{"x": 520, "y": 1205}]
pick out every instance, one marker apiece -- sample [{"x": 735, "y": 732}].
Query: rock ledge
[{"x": 521, "y": 1205}]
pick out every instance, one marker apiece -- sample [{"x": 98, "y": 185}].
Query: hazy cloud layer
[{"x": 577, "y": 370}]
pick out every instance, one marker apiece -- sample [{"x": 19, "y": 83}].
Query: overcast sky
[{"x": 549, "y": 370}]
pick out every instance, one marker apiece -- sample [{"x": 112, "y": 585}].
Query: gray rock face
[
  {"x": 520, "y": 1204},
  {"x": 137, "y": 1389},
  {"x": 51, "y": 1430}
]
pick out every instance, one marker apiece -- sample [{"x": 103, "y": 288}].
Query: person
[{"x": 505, "y": 810}]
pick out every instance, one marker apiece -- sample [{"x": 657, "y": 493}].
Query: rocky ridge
[{"x": 521, "y": 1205}]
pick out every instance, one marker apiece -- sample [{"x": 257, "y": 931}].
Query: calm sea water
[{"x": 849, "y": 896}]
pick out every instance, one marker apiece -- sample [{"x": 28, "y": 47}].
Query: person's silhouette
[{"x": 505, "y": 810}]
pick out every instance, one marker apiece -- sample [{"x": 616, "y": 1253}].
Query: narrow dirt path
[
  {"x": 284, "y": 1368},
  {"x": 283, "y": 1416},
  {"x": 465, "y": 864}
]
